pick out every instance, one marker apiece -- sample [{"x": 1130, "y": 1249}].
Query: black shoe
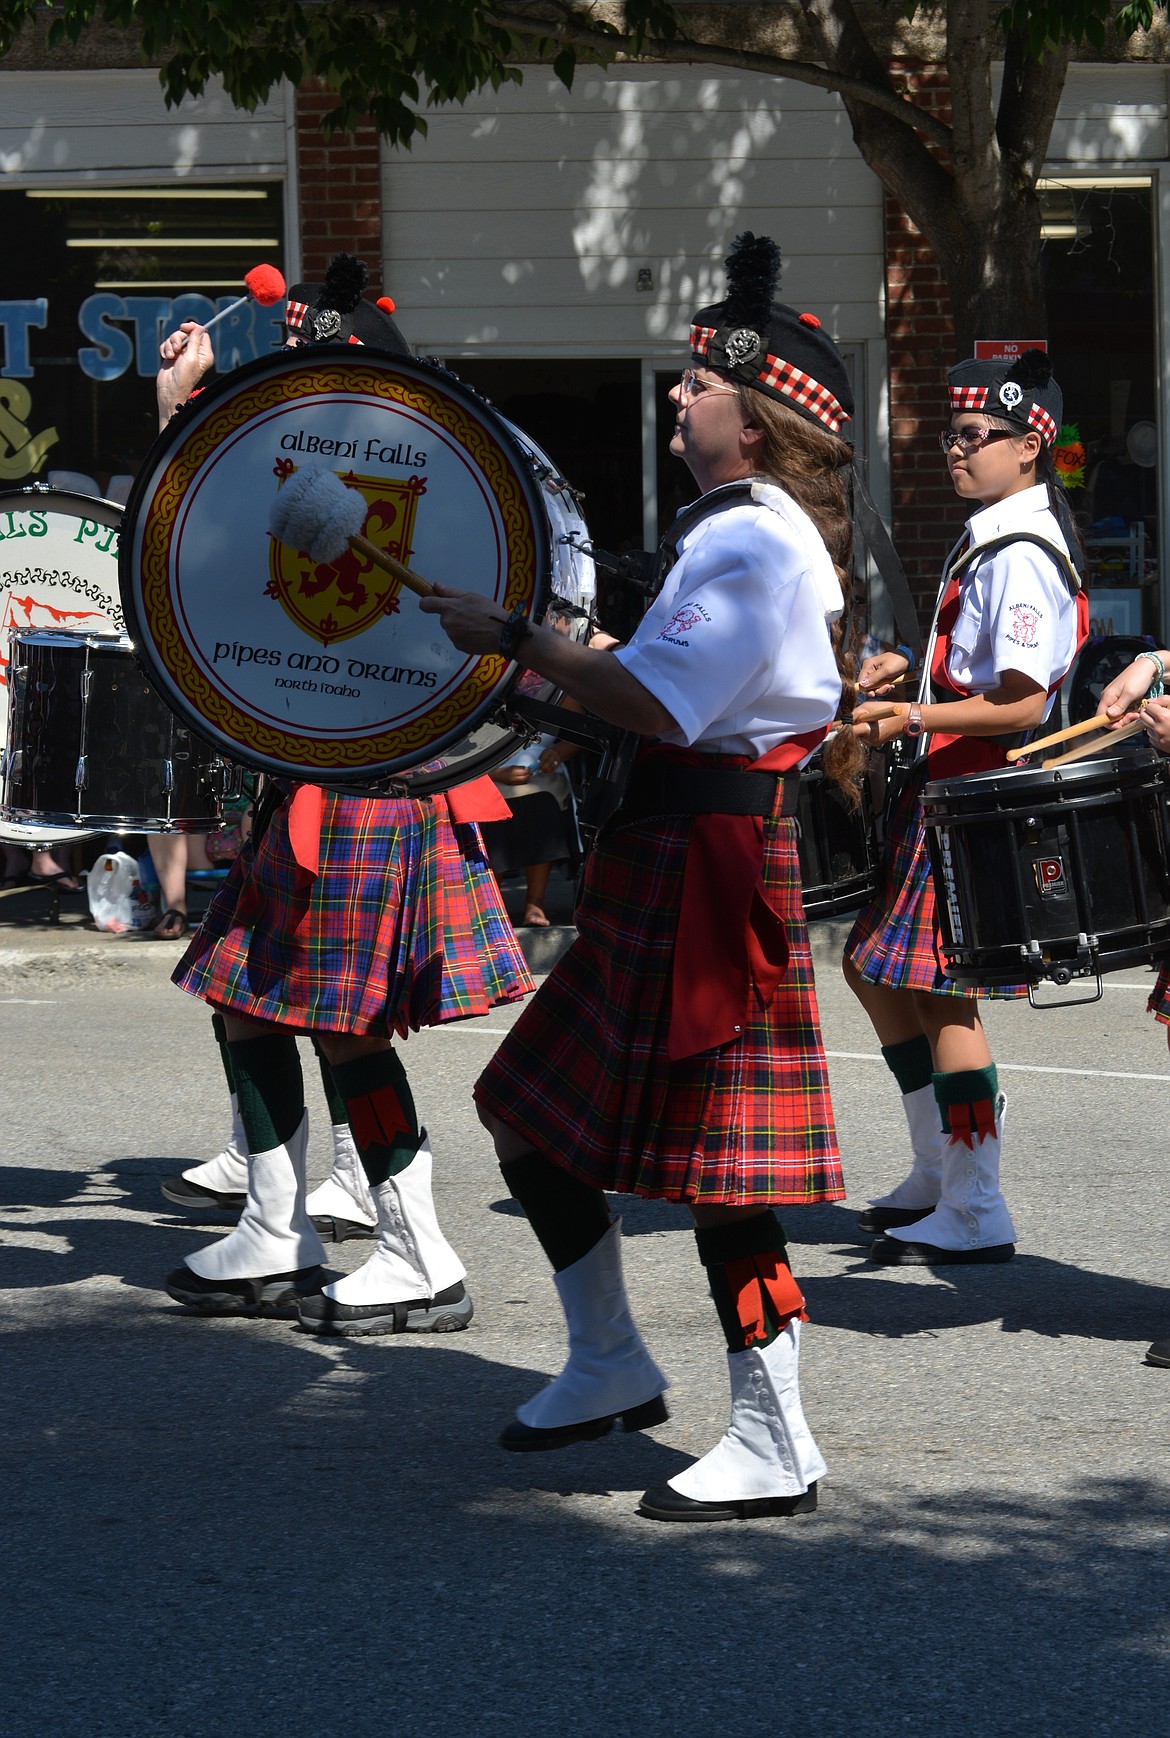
[
  {"x": 525, "y": 1439},
  {"x": 341, "y": 1230},
  {"x": 445, "y": 1313},
  {"x": 663, "y": 1503},
  {"x": 272, "y": 1294},
  {"x": 185, "y": 1194},
  {"x": 898, "y": 1252},
  {"x": 875, "y": 1220},
  {"x": 1159, "y": 1354}
]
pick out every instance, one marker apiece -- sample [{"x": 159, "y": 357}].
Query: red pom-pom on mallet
[{"x": 265, "y": 286}]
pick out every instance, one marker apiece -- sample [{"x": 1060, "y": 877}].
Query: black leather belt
[{"x": 670, "y": 788}]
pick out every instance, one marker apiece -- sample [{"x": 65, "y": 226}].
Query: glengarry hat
[
  {"x": 769, "y": 346},
  {"x": 1022, "y": 392},
  {"x": 336, "y": 312}
]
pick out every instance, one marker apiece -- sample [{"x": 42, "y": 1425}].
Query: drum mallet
[
  {"x": 264, "y": 285},
  {"x": 318, "y": 513}
]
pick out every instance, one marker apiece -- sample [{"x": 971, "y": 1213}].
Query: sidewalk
[{"x": 33, "y": 945}]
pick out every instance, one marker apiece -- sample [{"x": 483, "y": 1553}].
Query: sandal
[
  {"x": 63, "y": 882},
  {"x": 171, "y": 926}
]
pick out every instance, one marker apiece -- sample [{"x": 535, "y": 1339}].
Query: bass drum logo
[{"x": 335, "y": 600}]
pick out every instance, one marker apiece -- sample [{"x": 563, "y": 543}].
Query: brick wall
[
  {"x": 920, "y": 335},
  {"x": 340, "y": 189}
]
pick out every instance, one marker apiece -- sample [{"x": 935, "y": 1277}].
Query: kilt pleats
[
  {"x": 403, "y": 927},
  {"x": 584, "y": 1073},
  {"x": 895, "y": 940}
]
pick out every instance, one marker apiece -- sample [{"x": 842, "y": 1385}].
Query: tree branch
[{"x": 878, "y": 93}]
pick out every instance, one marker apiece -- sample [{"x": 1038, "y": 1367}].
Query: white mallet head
[{"x": 315, "y": 511}]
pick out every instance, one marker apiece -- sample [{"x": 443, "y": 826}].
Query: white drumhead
[{"x": 58, "y": 569}]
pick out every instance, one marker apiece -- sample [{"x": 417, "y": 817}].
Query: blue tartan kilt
[
  {"x": 895, "y": 940},
  {"x": 402, "y": 927}
]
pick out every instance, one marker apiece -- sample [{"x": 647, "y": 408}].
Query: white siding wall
[
  {"x": 1111, "y": 114},
  {"x": 520, "y": 224},
  {"x": 115, "y": 127}
]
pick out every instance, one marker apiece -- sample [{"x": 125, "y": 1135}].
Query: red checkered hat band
[
  {"x": 294, "y": 313},
  {"x": 784, "y": 378},
  {"x": 802, "y": 389},
  {"x": 1039, "y": 419},
  {"x": 968, "y": 397}
]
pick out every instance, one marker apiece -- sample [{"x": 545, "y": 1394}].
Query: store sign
[{"x": 126, "y": 331}]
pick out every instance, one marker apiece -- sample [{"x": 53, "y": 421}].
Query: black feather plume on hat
[
  {"x": 345, "y": 279},
  {"x": 1032, "y": 370},
  {"x": 753, "y": 273}
]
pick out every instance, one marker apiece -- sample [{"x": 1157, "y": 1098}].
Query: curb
[{"x": 119, "y": 957}]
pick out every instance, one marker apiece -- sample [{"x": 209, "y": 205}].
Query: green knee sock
[
  {"x": 219, "y": 1032},
  {"x": 381, "y": 1113},
  {"x": 967, "y": 1103},
  {"x": 269, "y": 1087},
  {"x": 910, "y": 1063},
  {"x": 329, "y": 1086}
]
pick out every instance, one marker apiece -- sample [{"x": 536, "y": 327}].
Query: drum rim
[
  {"x": 1036, "y": 778},
  {"x": 112, "y": 642},
  {"x": 48, "y": 494},
  {"x": 146, "y": 483}
]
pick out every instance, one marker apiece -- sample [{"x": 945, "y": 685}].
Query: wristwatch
[{"x": 914, "y": 724}]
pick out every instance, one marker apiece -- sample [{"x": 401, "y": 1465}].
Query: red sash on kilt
[
  {"x": 730, "y": 943},
  {"x": 478, "y": 800}
]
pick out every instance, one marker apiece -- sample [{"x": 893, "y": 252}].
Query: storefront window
[
  {"x": 1099, "y": 281},
  {"x": 93, "y": 280}
]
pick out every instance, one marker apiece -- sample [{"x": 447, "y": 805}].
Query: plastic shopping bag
[{"x": 117, "y": 899}]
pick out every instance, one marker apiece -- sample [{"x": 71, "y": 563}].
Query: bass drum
[
  {"x": 58, "y": 571},
  {"x": 328, "y": 672}
]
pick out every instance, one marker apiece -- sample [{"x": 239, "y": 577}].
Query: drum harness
[{"x": 912, "y": 771}]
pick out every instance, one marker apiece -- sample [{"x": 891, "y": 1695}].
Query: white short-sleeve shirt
[
  {"x": 736, "y": 645},
  {"x": 1016, "y": 611}
]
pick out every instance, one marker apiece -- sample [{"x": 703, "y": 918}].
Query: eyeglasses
[
  {"x": 690, "y": 386},
  {"x": 969, "y": 440}
]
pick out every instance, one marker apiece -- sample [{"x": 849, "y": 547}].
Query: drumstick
[
  {"x": 1105, "y": 741},
  {"x": 1064, "y": 735},
  {"x": 410, "y": 579},
  {"x": 888, "y": 682},
  {"x": 317, "y": 512},
  {"x": 879, "y": 713}
]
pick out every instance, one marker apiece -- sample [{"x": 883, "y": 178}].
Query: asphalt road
[{"x": 221, "y": 1527}]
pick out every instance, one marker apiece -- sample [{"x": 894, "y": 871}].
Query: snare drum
[
  {"x": 58, "y": 571},
  {"x": 329, "y": 672},
  {"x": 91, "y": 745},
  {"x": 1051, "y": 875},
  {"x": 838, "y": 844}
]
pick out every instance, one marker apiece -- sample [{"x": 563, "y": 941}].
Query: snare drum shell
[
  {"x": 1051, "y": 875},
  {"x": 91, "y": 743}
]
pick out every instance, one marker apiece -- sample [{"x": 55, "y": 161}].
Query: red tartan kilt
[
  {"x": 583, "y": 1074},
  {"x": 895, "y": 940},
  {"x": 1159, "y": 1002},
  {"x": 403, "y": 927}
]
